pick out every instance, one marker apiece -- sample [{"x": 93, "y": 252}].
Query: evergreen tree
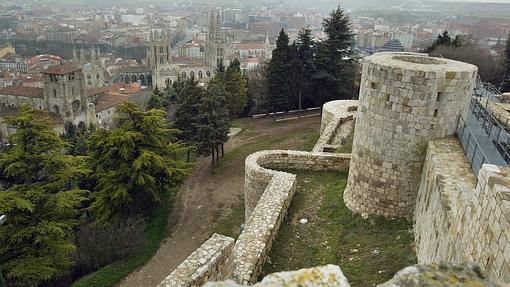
[
  {"x": 295, "y": 71},
  {"x": 443, "y": 39},
  {"x": 42, "y": 202},
  {"x": 134, "y": 163},
  {"x": 505, "y": 84},
  {"x": 187, "y": 110},
  {"x": 76, "y": 137},
  {"x": 155, "y": 101},
  {"x": 277, "y": 79},
  {"x": 334, "y": 60},
  {"x": 305, "y": 46},
  {"x": 212, "y": 121},
  {"x": 236, "y": 89}
]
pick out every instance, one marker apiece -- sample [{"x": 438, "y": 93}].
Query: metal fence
[
  {"x": 472, "y": 147},
  {"x": 496, "y": 132}
]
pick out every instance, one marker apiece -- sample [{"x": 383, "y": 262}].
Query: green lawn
[{"x": 369, "y": 251}]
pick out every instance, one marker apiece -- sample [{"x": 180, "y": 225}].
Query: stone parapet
[
  {"x": 207, "y": 263},
  {"x": 254, "y": 243},
  {"x": 459, "y": 217},
  {"x": 329, "y": 275}
]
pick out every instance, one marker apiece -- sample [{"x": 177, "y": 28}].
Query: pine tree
[
  {"x": 505, "y": 84},
  {"x": 305, "y": 46},
  {"x": 42, "y": 202},
  {"x": 236, "y": 89},
  {"x": 187, "y": 110},
  {"x": 155, "y": 101},
  {"x": 212, "y": 121},
  {"x": 134, "y": 163},
  {"x": 277, "y": 80},
  {"x": 334, "y": 60},
  {"x": 443, "y": 39}
]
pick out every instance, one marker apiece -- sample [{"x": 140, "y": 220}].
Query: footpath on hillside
[{"x": 205, "y": 197}]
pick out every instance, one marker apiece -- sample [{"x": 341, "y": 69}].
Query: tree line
[
  {"x": 53, "y": 189},
  {"x": 62, "y": 194},
  {"x": 310, "y": 72},
  {"x": 491, "y": 66}
]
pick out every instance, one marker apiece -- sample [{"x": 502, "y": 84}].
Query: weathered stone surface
[
  {"x": 467, "y": 274},
  {"x": 337, "y": 123},
  {"x": 329, "y": 275},
  {"x": 406, "y": 99},
  {"x": 206, "y": 263},
  {"x": 458, "y": 218}
]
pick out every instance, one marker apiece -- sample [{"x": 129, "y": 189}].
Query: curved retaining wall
[
  {"x": 261, "y": 167},
  {"x": 406, "y": 99},
  {"x": 337, "y": 123}
]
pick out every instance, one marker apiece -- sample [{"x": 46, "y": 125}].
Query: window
[
  {"x": 89, "y": 76},
  {"x": 208, "y": 74},
  {"x": 72, "y": 91},
  {"x": 161, "y": 50},
  {"x": 54, "y": 93},
  {"x": 200, "y": 74}
]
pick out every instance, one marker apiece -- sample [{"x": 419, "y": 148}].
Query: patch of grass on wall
[
  {"x": 369, "y": 251},
  {"x": 155, "y": 232}
]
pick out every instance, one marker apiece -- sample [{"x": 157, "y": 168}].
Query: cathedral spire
[
  {"x": 93, "y": 56},
  {"x": 82, "y": 56},
  {"x": 75, "y": 57},
  {"x": 99, "y": 56}
]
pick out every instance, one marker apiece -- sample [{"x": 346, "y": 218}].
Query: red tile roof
[
  {"x": 23, "y": 91},
  {"x": 61, "y": 69},
  {"x": 106, "y": 101}
]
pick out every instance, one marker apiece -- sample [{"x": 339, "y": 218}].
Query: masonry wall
[
  {"x": 405, "y": 100},
  {"x": 337, "y": 123},
  {"x": 207, "y": 263},
  {"x": 457, "y": 219},
  {"x": 261, "y": 167}
]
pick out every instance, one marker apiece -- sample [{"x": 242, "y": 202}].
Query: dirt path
[{"x": 201, "y": 197}]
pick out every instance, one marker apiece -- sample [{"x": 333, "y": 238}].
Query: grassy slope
[
  {"x": 333, "y": 235},
  {"x": 156, "y": 231}
]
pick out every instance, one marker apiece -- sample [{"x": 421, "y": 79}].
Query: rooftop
[
  {"x": 61, "y": 69},
  {"x": 23, "y": 91}
]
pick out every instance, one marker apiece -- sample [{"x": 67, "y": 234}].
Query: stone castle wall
[
  {"x": 207, "y": 263},
  {"x": 262, "y": 166},
  {"x": 458, "y": 219},
  {"x": 337, "y": 123},
  {"x": 268, "y": 193},
  {"x": 405, "y": 100}
]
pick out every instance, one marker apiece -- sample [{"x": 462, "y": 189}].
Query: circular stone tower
[{"x": 405, "y": 100}]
